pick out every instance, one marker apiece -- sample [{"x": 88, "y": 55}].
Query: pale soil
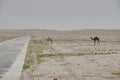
[
  {"x": 5, "y": 38},
  {"x": 74, "y": 60},
  {"x": 8, "y": 34}
]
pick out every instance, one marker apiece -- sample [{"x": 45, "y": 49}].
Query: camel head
[
  {"x": 49, "y": 39},
  {"x": 91, "y": 38}
]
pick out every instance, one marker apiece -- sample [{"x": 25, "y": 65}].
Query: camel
[
  {"x": 50, "y": 39},
  {"x": 95, "y": 39}
]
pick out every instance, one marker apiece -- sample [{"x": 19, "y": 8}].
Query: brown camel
[
  {"x": 50, "y": 39},
  {"x": 95, "y": 39}
]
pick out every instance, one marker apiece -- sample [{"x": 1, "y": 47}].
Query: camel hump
[
  {"x": 48, "y": 38},
  {"x": 97, "y": 37}
]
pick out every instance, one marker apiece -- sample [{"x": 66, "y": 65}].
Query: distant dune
[{"x": 57, "y": 33}]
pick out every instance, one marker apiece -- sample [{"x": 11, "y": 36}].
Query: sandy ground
[
  {"x": 75, "y": 60},
  {"x": 6, "y": 34},
  {"x": 5, "y": 38}
]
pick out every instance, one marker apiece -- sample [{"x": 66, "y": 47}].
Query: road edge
[{"x": 15, "y": 71}]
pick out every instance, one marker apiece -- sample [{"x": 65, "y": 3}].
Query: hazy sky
[{"x": 60, "y": 14}]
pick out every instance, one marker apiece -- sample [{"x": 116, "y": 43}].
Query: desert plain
[{"x": 72, "y": 56}]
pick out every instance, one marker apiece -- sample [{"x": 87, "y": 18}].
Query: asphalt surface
[{"x": 9, "y": 51}]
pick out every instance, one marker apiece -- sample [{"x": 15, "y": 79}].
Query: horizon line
[{"x": 59, "y": 29}]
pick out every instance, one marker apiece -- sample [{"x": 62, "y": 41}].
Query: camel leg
[
  {"x": 51, "y": 41},
  {"x": 98, "y": 42},
  {"x": 94, "y": 42}
]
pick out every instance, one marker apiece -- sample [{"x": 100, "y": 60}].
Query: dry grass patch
[{"x": 35, "y": 49}]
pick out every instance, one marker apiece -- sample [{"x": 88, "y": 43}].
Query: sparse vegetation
[
  {"x": 72, "y": 57},
  {"x": 35, "y": 48},
  {"x": 116, "y": 73}
]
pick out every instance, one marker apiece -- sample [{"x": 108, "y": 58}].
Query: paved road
[{"x": 9, "y": 51}]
